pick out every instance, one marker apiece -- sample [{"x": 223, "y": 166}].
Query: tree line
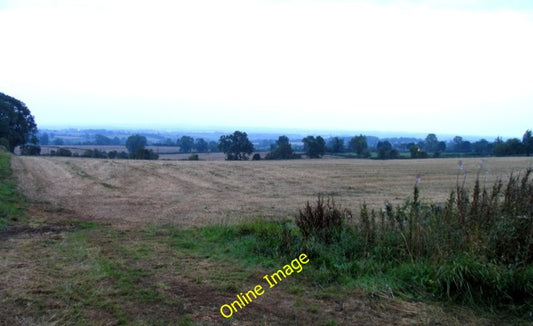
[{"x": 18, "y": 129}]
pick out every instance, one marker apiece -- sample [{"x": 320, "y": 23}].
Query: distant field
[{"x": 206, "y": 192}]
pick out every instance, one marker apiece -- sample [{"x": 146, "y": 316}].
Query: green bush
[{"x": 477, "y": 248}]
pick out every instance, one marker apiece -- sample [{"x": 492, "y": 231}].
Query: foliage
[
  {"x": 30, "y": 150},
  {"x": 201, "y": 145},
  {"x": 135, "y": 145},
  {"x": 186, "y": 144},
  {"x": 10, "y": 203},
  {"x": 359, "y": 146},
  {"x": 475, "y": 249},
  {"x": 314, "y": 147},
  {"x": 194, "y": 157},
  {"x": 336, "y": 145},
  {"x": 281, "y": 150},
  {"x": 323, "y": 221},
  {"x": 17, "y": 125},
  {"x": 527, "y": 140},
  {"x": 61, "y": 152},
  {"x": 236, "y": 146},
  {"x": 386, "y": 151}
]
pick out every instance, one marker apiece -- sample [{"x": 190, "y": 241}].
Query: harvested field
[{"x": 202, "y": 193}]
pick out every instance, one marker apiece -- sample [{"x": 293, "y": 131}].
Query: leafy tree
[
  {"x": 359, "y": 146},
  {"x": 482, "y": 147},
  {"x": 514, "y": 147},
  {"x": 186, "y": 143},
  {"x": 281, "y": 150},
  {"x": 431, "y": 143},
  {"x": 59, "y": 141},
  {"x": 415, "y": 151},
  {"x": 527, "y": 140},
  {"x": 236, "y": 146},
  {"x": 385, "y": 151},
  {"x": 201, "y": 145},
  {"x": 213, "y": 146},
  {"x": 135, "y": 145},
  {"x": 17, "y": 125},
  {"x": 336, "y": 145},
  {"x": 314, "y": 147},
  {"x": 499, "y": 147},
  {"x": 460, "y": 145}
]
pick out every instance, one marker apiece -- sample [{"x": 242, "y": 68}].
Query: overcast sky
[{"x": 449, "y": 67}]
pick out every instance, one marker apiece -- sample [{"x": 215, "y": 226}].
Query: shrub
[{"x": 323, "y": 221}]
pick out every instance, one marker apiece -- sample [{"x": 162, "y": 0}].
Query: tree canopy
[
  {"x": 236, "y": 146},
  {"x": 314, "y": 147},
  {"x": 17, "y": 125},
  {"x": 281, "y": 150}
]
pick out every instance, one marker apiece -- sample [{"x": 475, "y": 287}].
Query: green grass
[{"x": 11, "y": 207}]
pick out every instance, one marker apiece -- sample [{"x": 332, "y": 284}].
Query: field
[{"x": 119, "y": 241}]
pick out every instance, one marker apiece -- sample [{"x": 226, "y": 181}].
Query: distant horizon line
[{"x": 179, "y": 128}]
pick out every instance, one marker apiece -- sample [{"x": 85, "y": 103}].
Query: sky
[{"x": 460, "y": 67}]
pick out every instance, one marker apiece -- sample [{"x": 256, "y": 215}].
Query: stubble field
[
  {"x": 102, "y": 242},
  {"x": 201, "y": 193}
]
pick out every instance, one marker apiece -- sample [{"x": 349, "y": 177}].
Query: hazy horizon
[{"x": 416, "y": 67}]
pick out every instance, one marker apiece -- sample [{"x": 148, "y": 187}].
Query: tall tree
[
  {"x": 186, "y": 144},
  {"x": 359, "y": 146},
  {"x": 281, "y": 150},
  {"x": 431, "y": 144},
  {"x": 17, "y": 125},
  {"x": 135, "y": 145},
  {"x": 201, "y": 145},
  {"x": 527, "y": 140},
  {"x": 236, "y": 146},
  {"x": 336, "y": 145},
  {"x": 314, "y": 147}
]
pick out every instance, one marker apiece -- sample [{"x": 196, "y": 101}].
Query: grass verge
[{"x": 10, "y": 202}]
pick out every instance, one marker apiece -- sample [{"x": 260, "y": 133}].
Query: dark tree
[
  {"x": 17, "y": 125},
  {"x": 514, "y": 147},
  {"x": 499, "y": 147},
  {"x": 102, "y": 140},
  {"x": 236, "y": 146},
  {"x": 482, "y": 147},
  {"x": 314, "y": 147},
  {"x": 431, "y": 144},
  {"x": 414, "y": 150},
  {"x": 201, "y": 145},
  {"x": 58, "y": 141},
  {"x": 336, "y": 145},
  {"x": 527, "y": 140},
  {"x": 213, "y": 146},
  {"x": 281, "y": 150},
  {"x": 186, "y": 143},
  {"x": 359, "y": 146},
  {"x": 135, "y": 145},
  {"x": 385, "y": 151}
]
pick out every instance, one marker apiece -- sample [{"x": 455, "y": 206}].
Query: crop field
[{"x": 136, "y": 242}]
